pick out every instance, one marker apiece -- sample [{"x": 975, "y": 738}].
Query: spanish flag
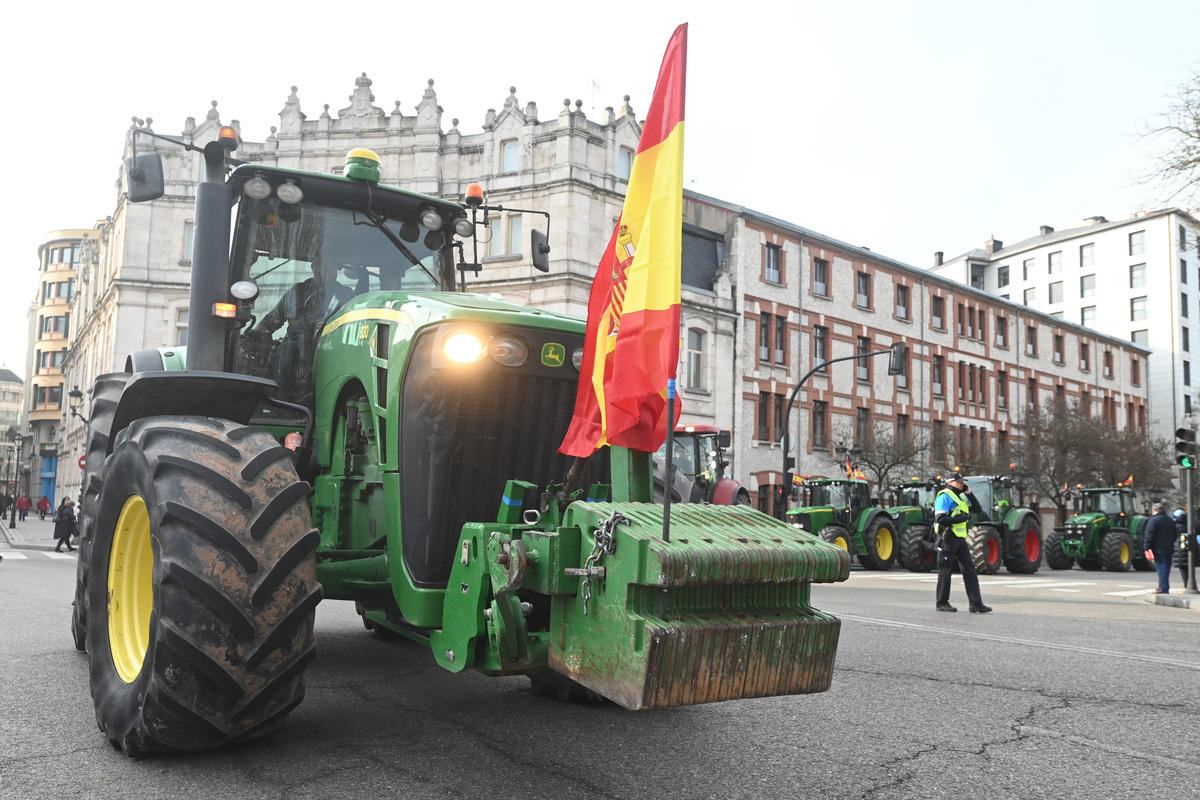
[{"x": 632, "y": 346}]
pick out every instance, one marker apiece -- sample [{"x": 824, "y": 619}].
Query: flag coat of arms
[{"x": 631, "y": 349}]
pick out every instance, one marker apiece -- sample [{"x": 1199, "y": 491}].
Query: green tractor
[
  {"x": 1106, "y": 532},
  {"x": 841, "y": 511},
  {"x": 912, "y": 509},
  {"x": 347, "y": 423},
  {"x": 1002, "y": 533}
]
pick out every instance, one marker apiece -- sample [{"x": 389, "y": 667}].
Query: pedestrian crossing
[
  {"x": 35, "y": 555},
  {"x": 990, "y": 582}
]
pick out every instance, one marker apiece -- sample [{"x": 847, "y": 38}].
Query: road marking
[
  {"x": 923, "y": 577},
  {"x": 1043, "y": 584},
  {"x": 14, "y": 556},
  {"x": 1129, "y": 594},
  {"x": 1027, "y": 642},
  {"x": 1066, "y": 590},
  {"x": 61, "y": 556}
]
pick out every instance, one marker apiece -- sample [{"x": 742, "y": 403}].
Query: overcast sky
[{"x": 906, "y": 127}]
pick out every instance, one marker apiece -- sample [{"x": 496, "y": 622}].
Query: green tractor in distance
[
  {"x": 348, "y": 423},
  {"x": 841, "y": 511},
  {"x": 1106, "y": 532},
  {"x": 1002, "y": 533},
  {"x": 912, "y": 508}
]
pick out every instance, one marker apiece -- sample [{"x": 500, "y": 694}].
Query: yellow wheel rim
[
  {"x": 842, "y": 543},
  {"x": 130, "y": 589},
  {"x": 884, "y": 543},
  {"x": 1124, "y": 553}
]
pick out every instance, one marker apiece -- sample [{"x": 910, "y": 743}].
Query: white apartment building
[{"x": 1137, "y": 279}]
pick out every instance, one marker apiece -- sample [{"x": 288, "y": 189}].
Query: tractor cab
[
  {"x": 847, "y": 498},
  {"x": 699, "y": 465},
  {"x": 1112, "y": 502},
  {"x": 994, "y": 493}
]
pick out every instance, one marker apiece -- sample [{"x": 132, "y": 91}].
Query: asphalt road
[{"x": 1073, "y": 688}]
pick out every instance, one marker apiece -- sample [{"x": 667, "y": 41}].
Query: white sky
[{"x": 906, "y": 127}]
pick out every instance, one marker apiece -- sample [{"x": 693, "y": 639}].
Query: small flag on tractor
[{"x": 631, "y": 351}]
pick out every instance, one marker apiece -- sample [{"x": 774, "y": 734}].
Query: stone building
[
  {"x": 1137, "y": 279},
  {"x": 12, "y": 396}
]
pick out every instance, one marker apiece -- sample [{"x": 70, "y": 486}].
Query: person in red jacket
[
  {"x": 23, "y": 505},
  {"x": 43, "y": 507}
]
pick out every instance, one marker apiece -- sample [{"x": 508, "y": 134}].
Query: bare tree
[
  {"x": 1175, "y": 134},
  {"x": 1130, "y": 454},
  {"x": 888, "y": 455},
  {"x": 1056, "y": 450}
]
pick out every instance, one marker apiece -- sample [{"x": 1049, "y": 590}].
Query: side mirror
[
  {"x": 539, "y": 250},
  {"x": 144, "y": 178},
  {"x": 724, "y": 438}
]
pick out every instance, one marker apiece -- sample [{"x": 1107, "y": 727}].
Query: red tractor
[{"x": 698, "y": 468}]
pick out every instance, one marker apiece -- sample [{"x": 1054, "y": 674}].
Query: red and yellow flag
[{"x": 632, "y": 345}]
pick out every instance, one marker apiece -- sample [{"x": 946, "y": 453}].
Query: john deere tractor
[
  {"x": 913, "y": 511},
  {"x": 841, "y": 512},
  {"x": 346, "y": 423},
  {"x": 1106, "y": 532},
  {"x": 1002, "y": 533}
]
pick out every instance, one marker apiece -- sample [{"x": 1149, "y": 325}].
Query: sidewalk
[
  {"x": 32, "y": 534},
  {"x": 1176, "y": 599}
]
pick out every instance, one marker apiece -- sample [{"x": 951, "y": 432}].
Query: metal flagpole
[{"x": 667, "y": 481}]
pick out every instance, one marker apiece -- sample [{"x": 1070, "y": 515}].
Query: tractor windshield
[
  {"x": 307, "y": 261},
  {"x": 836, "y": 495},
  {"x": 1103, "y": 502}
]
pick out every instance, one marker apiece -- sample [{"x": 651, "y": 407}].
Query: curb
[{"x": 1188, "y": 601}]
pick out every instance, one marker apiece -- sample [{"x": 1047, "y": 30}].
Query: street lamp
[{"x": 75, "y": 402}]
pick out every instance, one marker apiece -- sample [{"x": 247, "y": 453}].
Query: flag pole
[{"x": 668, "y": 482}]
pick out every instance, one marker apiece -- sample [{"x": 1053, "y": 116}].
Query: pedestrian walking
[
  {"x": 952, "y": 509},
  {"x": 1160, "y": 545},
  {"x": 43, "y": 507},
  {"x": 64, "y": 525},
  {"x": 23, "y": 505}
]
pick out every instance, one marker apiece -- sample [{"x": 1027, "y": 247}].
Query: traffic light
[{"x": 1185, "y": 448}]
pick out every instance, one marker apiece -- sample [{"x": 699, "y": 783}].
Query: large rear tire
[
  {"x": 1055, "y": 557},
  {"x": 1024, "y": 554},
  {"x": 203, "y": 586},
  {"x": 983, "y": 543},
  {"x": 916, "y": 549},
  {"x": 106, "y": 394},
  {"x": 1116, "y": 551},
  {"x": 880, "y": 544}
]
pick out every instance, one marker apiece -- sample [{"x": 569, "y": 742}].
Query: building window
[
  {"x": 938, "y": 316},
  {"x": 1031, "y": 393},
  {"x": 1087, "y": 316},
  {"x": 510, "y": 155},
  {"x": 1085, "y": 403},
  {"x": 1135, "y": 371},
  {"x": 938, "y": 375},
  {"x": 863, "y": 290},
  {"x": 1185, "y": 340},
  {"x": 938, "y": 443},
  {"x": 902, "y": 375},
  {"x": 1056, "y": 292},
  {"x": 962, "y": 316},
  {"x": 1085, "y": 357},
  {"x": 1026, "y": 267},
  {"x": 764, "y": 416},
  {"x": 624, "y": 163},
  {"x": 1182, "y": 238},
  {"x": 1108, "y": 363},
  {"x": 515, "y": 234},
  {"x": 1002, "y": 389},
  {"x": 980, "y": 330},
  {"x": 1140, "y": 338},
  {"x": 1182, "y": 271},
  {"x": 1055, "y": 263},
  {"x": 1187, "y": 374},
  {"x": 1030, "y": 340},
  {"x": 820, "y": 346},
  {"x": 1187, "y": 407},
  {"x": 764, "y": 336},
  {"x": 821, "y": 277},
  {"x": 1002, "y": 277},
  {"x": 1137, "y": 308},
  {"x": 1001, "y": 331},
  {"x": 1058, "y": 348},
  {"x": 1137, "y": 243},
  {"x": 781, "y": 340},
  {"x": 902, "y": 301},
  {"x": 820, "y": 427},
  {"x": 181, "y": 327},
  {"x": 773, "y": 263},
  {"x": 1087, "y": 255},
  {"x": 962, "y": 381},
  {"x": 1030, "y": 295},
  {"x": 1087, "y": 285},
  {"x": 1137, "y": 276},
  {"x": 189, "y": 240},
  {"x": 1183, "y": 304},
  {"x": 862, "y": 367},
  {"x": 862, "y": 427},
  {"x": 695, "y": 358},
  {"x": 780, "y": 402},
  {"x": 903, "y": 431}
]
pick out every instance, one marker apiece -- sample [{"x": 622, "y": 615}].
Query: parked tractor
[
  {"x": 1002, "y": 533},
  {"x": 1106, "y": 532},
  {"x": 698, "y": 468},
  {"x": 348, "y": 423},
  {"x": 913, "y": 511},
  {"x": 842, "y": 512}
]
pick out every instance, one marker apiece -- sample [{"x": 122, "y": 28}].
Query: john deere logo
[{"x": 554, "y": 354}]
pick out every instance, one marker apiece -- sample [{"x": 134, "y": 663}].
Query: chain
[{"x": 605, "y": 542}]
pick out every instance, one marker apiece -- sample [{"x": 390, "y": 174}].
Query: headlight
[
  {"x": 289, "y": 192},
  {"x": 577, "y": 359},
  {"x": 508, "y": 350},
  {"x": 463, "y": 347},
  {"x": 256, "y": 188}
]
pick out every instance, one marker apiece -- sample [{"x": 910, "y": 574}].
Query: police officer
[{"x": 951, "y": 511}]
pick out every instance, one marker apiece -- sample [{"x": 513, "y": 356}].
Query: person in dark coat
[
  {"x": 64, "y": 525},
  {"x": 1160, "y": 545}
]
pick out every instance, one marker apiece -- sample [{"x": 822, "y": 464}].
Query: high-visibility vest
[{"x": 961, "y": 506}]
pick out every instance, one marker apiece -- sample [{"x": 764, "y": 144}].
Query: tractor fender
[
  {"x": 205, "y": 394},
  {"x": 868, "y": 516},
  {"x": 725, "y": 492},
  {"x": 1015, "y": 517}
]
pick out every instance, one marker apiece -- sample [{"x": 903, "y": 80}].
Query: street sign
[{"x": 82, "y": 462}]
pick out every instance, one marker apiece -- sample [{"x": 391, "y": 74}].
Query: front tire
[
  {"x": 983, "y": 543},
  {"x": 837, "y": 535},
  {"x": 203, "y": 586},
  {"x": 916, "y": 549},
  {"x": 879, "y": 540},
  {"x": 1116, "y": 551},
  {"x": 1055, "y": 557}
]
